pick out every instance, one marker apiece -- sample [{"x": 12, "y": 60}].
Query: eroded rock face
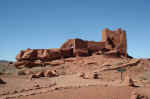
[
  {"x": 41, "y": 57},
  {"x": 39, "y": 54}
]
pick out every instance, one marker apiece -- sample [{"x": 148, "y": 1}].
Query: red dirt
[{"x": 93, "y": 92}]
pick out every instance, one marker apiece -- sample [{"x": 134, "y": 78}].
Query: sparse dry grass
[
  {"x": 8, "y": 69},
  {"x": 146, "y": 76}
]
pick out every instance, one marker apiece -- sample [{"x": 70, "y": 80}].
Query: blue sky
[{"x": 49, "y": 23}]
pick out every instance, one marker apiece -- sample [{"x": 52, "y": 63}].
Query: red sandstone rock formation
[{"x": 40, "y": 57}]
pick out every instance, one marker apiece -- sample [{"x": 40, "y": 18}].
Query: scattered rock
[
  {"x": 84, "y": 76},
  {"x": 40, "y": 74},
  {"x": 50, "y": 73},
  {"x": 36, "y": 85},
  {"x": 47, "y": 73},
  {"x": 129, "y": 82},
  {"x": 135, "y": 95},
  {"x": 2, "y": 82},
  {"x": 94, "y": 75}
]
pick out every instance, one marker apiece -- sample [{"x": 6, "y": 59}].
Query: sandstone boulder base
[
  {"x": 114, "y": 43},
  {"x": 39, "y": 54}
]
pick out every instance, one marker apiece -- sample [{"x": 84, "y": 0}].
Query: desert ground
[{"x": 76, "y": 79}]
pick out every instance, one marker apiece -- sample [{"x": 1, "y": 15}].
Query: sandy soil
[{"x": 93, "y": 92}]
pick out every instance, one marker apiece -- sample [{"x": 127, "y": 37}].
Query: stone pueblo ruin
[{"x": 79, "y": 69}]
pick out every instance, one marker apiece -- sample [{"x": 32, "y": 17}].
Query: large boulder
[
  {"x": 36, "y": 57},
  {"x": 50, "y": 73},
  {"x": 46, "y": 73}
]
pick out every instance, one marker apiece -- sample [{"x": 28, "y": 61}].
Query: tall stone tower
[{"x": 115, "y": 40}]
